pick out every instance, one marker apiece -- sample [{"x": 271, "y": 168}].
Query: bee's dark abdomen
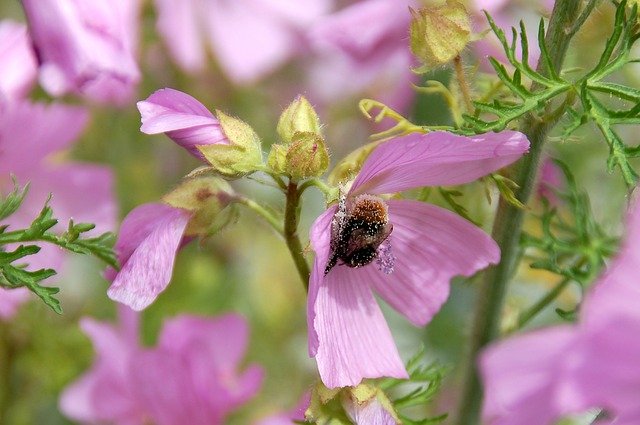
[{"x": 361, "y": 257}]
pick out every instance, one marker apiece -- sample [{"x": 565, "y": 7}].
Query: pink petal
[
  {"x": 19, "y": 67},
  {"x": 180, "y": 24},
  {"x": 190, "y": 377},
  {"x": 104, "y": 393},
  {"x": 225, "y": 338},
  {"x": 436, "y": 159},
  {"x": 320, "y": 239},
  {"x": 351, "y": 32},
  {"x": 31, "y": 131},
  {"x": 369, "y": 413},
  {"x": 431, "y": 246},
  {"x": 164, "y": 386},
  {"x": 354, "y": 341},
  {"x": 185, "y": 120},
  {"x": 148, "y": 270},
  {"x": 245, "y": 56},
  {"x": 85, "y": 47},
  {"x": 520, "y": 374}
]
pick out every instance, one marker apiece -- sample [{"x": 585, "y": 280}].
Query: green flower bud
[
  {"x": 438, "y": 34},
  {"x": 209, "y": 199},
  {"x": 298, "y": 117},
  {"x": 242, "y": 156},
  {"x": 277, "y": 159},
  {"x": 307, "y": 156}
]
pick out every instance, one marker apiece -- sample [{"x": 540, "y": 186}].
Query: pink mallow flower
[
  {"x": 184, "y": 119},
  {"x": 405, "y": 251},
  {"x": 369, "y": 39},
  {"x": 86, "y": 47},
  {"x": 19, "y": 67},
  {"x": 250, "y": 38},
  {"x": 31, "y": 134},
  {"x": 148, "y": 242},
  {"x": 190, "y": 377},
  {"x": 537, "y": 378}
]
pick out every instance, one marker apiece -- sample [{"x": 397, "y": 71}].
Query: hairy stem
[
  {"x": 291, "y": 218},
  {"x": 508, "y": 224},
  {"x": 463, "y": 84}
]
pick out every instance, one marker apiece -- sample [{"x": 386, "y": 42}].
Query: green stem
[
  {"x": 508, "y": 225},
  {"x": 531, "y": 312},
  {"x": 291, "y": 218},
  {"x": 262, "y": 211}
]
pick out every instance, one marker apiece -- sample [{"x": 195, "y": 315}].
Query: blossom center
[{"x": 358, "y": 230}]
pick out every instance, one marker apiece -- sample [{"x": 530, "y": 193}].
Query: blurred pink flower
[
  {"x": 30, "y": 134},
  {"x": 19, "y": 67},
  {"x": 190, "y": 377},
  {"x": 539, "y": 377},
  {"x": 148, "y": 242},
  {"x": 86, "y": 47},
  {"x": 105, "y": 393},
  {"x": 369, "y": 39},
  {"x": 551, "y": 179},
  {"x": 417, "y": 249},
  {"x": 250, "y": 38},
  {"x": 185, "y": 120}
]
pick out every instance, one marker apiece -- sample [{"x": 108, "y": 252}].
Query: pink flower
[
  {"x": 86, "y": 47},
  {"x": 569, "y": 369},
  {"x": 190, "y": 377},
  {"x": 148, "y": 242},
  {"x": 105, "y": 393},
  {"x": 185, "y": 120},
  {"x": 250, "y": 38},
  {"x": 19, "y": 66},
  {"x": 29, "y": 134},
  {"x": 406, "y": 251},
  {"x": 369, "y": 39},
  {"x": 551, "y": 179}
]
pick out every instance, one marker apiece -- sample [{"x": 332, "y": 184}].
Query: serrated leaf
[{"x": 13, "y": 200}]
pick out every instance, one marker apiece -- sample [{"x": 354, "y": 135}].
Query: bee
[{"x": 357, "y": 230}]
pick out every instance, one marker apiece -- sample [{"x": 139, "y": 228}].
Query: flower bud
[
  {"x": 208, "y": 199},
  {"x": 438, "y": 34},
  {"x": 298, "y": 117},
  {"x": 306, "y": 156},
  {"x": 243, "y": 154}
]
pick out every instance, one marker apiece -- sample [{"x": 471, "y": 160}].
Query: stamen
[{"x": 385, "y": 261}]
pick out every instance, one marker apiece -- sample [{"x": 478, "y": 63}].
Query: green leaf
[{"x": 13, "y": 200}]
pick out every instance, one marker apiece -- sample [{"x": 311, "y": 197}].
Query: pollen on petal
[{"x": 385, "y": 261}]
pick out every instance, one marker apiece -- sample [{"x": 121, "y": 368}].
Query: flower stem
[
  {"x": 531, "y": 312},
  {"x": 464, "y": 85},
  {"x": 291, "y": 218},
  {"x": 261, "y": 211},
  {"x": 508, "y": 224}
]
